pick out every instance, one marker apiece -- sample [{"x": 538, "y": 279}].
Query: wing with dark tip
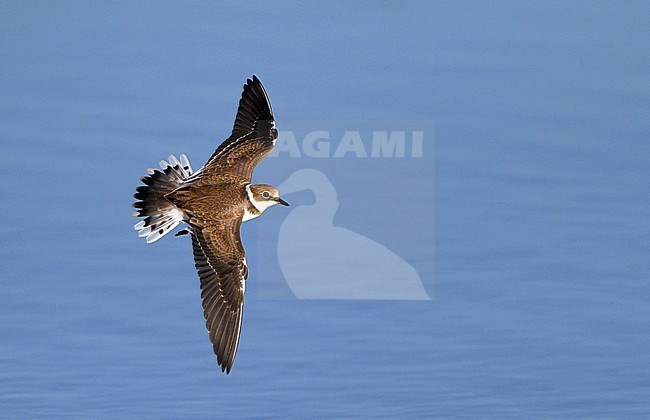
[
  {"x": 219, "y": 259},
  {"x": 253, "y": 135},
  {"x": 254, "y": 106}
]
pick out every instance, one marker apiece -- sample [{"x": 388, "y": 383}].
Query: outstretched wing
[
  {"x": 220, "y": 260},
  {"x": 253, "y": 135}
]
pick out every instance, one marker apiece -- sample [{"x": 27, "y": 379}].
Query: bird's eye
[{"x": 266, "y": 194}]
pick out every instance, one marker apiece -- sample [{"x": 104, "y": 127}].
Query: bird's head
[{"x": 264, "y": 196}]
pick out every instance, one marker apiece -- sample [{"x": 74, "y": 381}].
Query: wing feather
[
  {"x": 253, "y": 136},
  {"x": 220, "y": 263}
]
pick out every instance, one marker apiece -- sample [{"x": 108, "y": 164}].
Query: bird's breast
[{"x": 250, "y": 212}]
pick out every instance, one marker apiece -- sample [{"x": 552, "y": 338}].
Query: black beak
[{"x": 281, "y": 201}]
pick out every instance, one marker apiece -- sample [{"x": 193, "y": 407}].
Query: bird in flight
[{"x": 212, "y": 203}]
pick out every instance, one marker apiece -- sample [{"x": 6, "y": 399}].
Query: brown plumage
[{"x": 213, "y": 202}]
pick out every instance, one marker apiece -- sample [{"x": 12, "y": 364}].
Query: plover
[{"x": 212, "y": 203}]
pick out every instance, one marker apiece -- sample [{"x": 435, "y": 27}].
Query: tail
[{"x": 161, "y": 216}]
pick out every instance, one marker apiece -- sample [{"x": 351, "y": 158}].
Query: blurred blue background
[{"x": 542, "y": 190}]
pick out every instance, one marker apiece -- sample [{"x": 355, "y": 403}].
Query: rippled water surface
[{"x": 540, "y": 298}]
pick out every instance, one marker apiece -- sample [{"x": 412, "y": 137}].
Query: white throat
[{"x": 259, "y": 205}]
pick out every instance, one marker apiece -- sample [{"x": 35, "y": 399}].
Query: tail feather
[{"x": 161, "y": 216}]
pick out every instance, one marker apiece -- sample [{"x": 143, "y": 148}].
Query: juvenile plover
[{"x": 212, "y": 203}]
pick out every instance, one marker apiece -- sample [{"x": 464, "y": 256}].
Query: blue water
[{"x": 542, "y": 203}]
